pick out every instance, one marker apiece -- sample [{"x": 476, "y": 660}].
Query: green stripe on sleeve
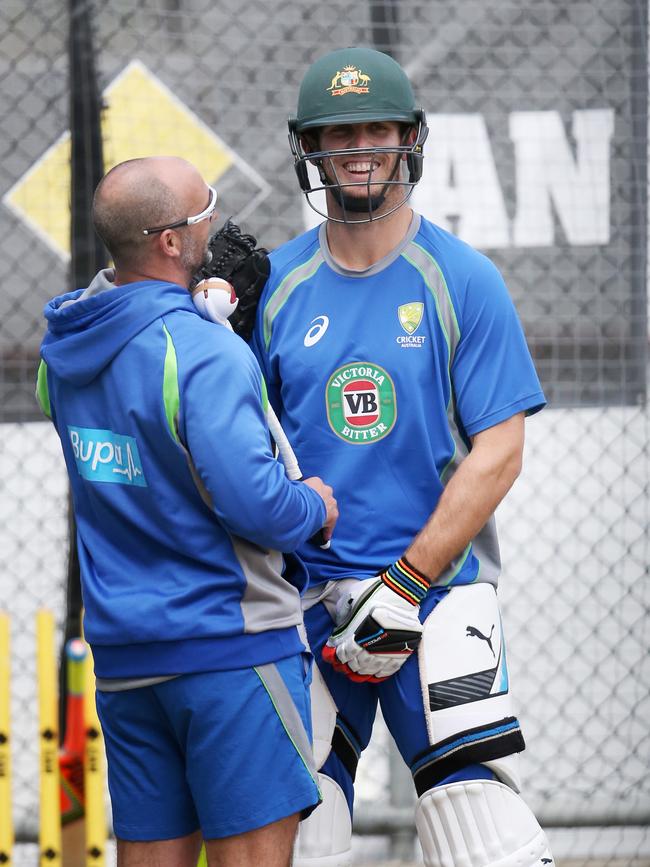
[
  {"x": 265, "y": 396},
  {"x": 42, "y": 390},
  {"x": 171, "y": 396}
]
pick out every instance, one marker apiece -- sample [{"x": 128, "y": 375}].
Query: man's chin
[{"x": 359, "y": 204}]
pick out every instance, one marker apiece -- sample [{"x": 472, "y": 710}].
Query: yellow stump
[
  {"x": 6, "y": 820},
  {"x": 49, "y": 837},
  {"x": 96, "y": 830}
]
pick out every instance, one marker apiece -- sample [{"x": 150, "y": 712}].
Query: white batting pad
[
  {"x": 323, "y": 718},
  {"x": 479, "y": 824},
  {"x": 324, "y": 839},
  {"x": 462, "y": 659}
]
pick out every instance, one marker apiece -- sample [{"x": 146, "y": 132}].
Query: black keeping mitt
[{"x": 237, "y": 259}]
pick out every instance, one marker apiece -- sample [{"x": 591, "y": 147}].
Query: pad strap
[
  {"x": 473, "y": 746},
  {"x": 345, "y": 744},
  {"x": 405, "y": 580}
]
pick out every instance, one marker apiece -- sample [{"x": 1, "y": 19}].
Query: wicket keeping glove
[
  {"x": 378, "y": 627},
  {"x": 237, "y": 258}
]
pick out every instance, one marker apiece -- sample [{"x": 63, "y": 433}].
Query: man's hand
[
  {"x": 378, "y": 627},
  {"x": 331, "y": 507}
]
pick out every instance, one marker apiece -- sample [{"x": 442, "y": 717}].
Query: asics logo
[{"x": 319, "y": 326}]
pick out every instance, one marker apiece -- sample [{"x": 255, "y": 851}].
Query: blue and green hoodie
[{"x": 181, "y": 507}]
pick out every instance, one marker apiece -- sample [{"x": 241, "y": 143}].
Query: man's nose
[{"x": 361, "y": 138}]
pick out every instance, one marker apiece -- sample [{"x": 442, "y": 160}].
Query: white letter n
[{"x": 547, "y": 172}]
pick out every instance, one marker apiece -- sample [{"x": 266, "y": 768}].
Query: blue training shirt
[
  {"x": 182, "y": 510},
  {"x": 381, "y": 377}
]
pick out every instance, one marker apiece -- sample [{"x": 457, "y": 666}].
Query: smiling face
[
  {"x": 364, "y": 176},
  {"x": 363, "y": 171},
  {"x": 358, "y": 167}
]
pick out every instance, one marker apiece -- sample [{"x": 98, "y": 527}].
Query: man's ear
[
  {"x": 409, "y": 135},
  {"x": 169, "y": 243},
  {"x": 310, "y": 143}
]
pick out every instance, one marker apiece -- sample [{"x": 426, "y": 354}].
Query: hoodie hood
[{"x": 87, "y": 328}]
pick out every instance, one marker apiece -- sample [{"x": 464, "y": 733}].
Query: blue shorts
[{"x": 223, "y": 751}]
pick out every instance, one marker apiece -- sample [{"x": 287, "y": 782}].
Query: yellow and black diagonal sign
[{"x": 143, "y": 117}]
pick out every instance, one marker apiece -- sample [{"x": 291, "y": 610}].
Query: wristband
[{"x": 405, "y": 580}]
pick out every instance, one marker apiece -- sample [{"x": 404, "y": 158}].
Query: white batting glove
[{"x": 377, "y": 624}]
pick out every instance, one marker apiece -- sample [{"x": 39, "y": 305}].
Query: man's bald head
[{"x": 138, "y": 194}]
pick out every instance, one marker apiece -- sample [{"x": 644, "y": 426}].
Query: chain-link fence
[{"x": 537, "y": 154}]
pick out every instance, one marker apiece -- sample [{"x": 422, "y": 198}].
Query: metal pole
[
  {"x": 401, "y": 798},
  {"x": 87, "y": 254}
]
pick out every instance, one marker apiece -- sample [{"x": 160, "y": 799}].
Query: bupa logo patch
[
  {"x": 104, "y": 456},
  {"x": 361, "y": 405}
]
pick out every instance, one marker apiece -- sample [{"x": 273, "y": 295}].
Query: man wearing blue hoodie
[{"x": 181, "y": 508}]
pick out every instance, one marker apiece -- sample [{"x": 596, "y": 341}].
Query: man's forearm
[{"x": 470, "y": 498}]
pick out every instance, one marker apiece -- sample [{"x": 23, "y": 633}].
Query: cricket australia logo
[
  {"x": 361, "y": 405},
  {"x": 410, "y": 317},
  {"x": 349, "y": 80},
  {"x": 104, "y": 456}
]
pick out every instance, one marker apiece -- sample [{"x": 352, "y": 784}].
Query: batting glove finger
[
  {"x": 329, "y": 655},
  {"x": 361, "y": 662}
]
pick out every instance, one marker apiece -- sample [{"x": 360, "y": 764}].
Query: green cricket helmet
[{"x": 355, "y": 85}]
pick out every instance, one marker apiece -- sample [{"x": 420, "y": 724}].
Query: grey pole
[{"x": 401, "y": 799}]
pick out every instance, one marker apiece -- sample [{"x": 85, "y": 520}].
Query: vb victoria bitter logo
[{"x": 361, "y": 406}]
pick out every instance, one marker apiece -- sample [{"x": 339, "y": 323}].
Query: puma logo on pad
[{"x": 473, "y": 632}]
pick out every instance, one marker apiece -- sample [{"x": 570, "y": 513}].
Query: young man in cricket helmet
[
  {"x": 395, "y": 359},
  {"x": 363, "y": 173}
]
